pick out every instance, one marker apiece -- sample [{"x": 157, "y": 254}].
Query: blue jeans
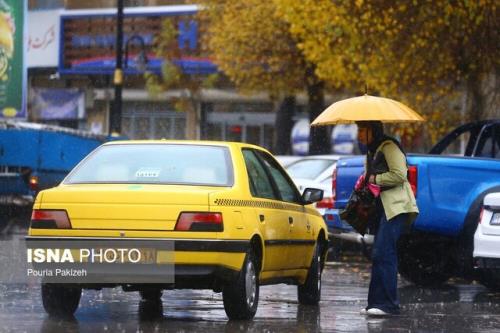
[{"x": 383, "y": 291}]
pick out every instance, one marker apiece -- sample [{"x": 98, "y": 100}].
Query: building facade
[{"x": 71, "y": 60}]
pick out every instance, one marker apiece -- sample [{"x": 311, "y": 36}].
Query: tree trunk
[
  {"x": 319, "y": 142},
  {"x": 191, "y": 124},
  {"x": 283, "y": 126},
  {"x": 475, "y": 98},
  {"x": 205, "y": 109},
  {"x": 192, "y": 117}
]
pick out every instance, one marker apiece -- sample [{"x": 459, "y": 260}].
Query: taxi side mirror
[{"x": 311, "y": 195}]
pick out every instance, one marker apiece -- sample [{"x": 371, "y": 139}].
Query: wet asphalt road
[{"x": 457, "y": 307}]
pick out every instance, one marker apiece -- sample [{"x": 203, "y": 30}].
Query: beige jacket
[{"x": 400, "y": 198}]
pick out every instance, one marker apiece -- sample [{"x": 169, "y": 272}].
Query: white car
[
  {"x": 326, "y": 186},
  {"x": 315, "y": 172},
  {"x": 286, "y": 160},
  {"x": 487, "y": 243}
]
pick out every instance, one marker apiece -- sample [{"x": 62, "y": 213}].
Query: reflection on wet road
[{"x": 456, "y": 307}]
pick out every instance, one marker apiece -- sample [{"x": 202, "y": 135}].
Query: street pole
[{"x": 115, "y": 120}]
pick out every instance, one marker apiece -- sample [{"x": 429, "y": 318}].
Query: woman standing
[{"x": 386, "y": 167}]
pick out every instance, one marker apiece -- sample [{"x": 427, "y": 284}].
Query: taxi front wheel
[
  {"x": 310, "y": 292},
  {"x": 241, "y": 297},
  {"x": 60, "y": 300}
]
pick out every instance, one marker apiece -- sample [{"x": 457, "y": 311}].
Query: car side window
[
  {"x": 461, "y": 141},
  {"x": 458, "y": 146},
  {"x": 286, "y": 188},
  {"x": 489, "y": 144},
  {"x": 260, "y": 184}
]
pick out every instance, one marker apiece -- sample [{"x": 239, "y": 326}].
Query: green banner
[{"x": 12, "y": 73}]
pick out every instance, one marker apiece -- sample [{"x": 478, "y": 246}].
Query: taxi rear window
[{"x": 155, "y": 164}]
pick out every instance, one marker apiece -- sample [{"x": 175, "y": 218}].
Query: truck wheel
[
  {"x": 490, "y": 279},
  {"x": 60, "y": 300},
  {"x": 421, "y": 263},
  {"x": 241, "y": 297},
  {"x": 310, "y": 292}
]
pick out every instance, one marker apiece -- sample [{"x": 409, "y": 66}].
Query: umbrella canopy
[{"x": 364, "y": 108}]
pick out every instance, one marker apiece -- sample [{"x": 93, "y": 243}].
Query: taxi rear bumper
[{"x": 197, "y": 263}]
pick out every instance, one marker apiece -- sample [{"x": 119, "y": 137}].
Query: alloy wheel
[{"x": 250, "y": 284}]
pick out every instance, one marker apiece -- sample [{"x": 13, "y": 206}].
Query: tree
[
  {"x": 173, "y": 77},
  {"x": 285, "y": 122},
  {"x": 254, "y": 48},
  {"x": 422, "y": 52}
]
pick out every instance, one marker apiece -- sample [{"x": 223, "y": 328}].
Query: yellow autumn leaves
[
  {"x": 426, "y": 53},
  {"x": 251, "y": 45}
]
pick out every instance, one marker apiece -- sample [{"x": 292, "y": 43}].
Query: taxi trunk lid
[{"x": 127, "y": 206}]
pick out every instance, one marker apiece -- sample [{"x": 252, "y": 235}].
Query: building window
[
  {"x": 148, "y": 120},
  {"x": 45, "y": 4}
]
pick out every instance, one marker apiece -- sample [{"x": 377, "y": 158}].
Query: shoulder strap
[
  {"x": 378, "y": 162},
  {"x": 396, "y": 142},
  {"x": 371, "y": 168}
]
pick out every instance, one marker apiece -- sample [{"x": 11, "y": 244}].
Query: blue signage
[
  {"x": 104, "y": 40},
  {"x": 188, "y": 34},
  {"x": 88, "y": 42},
  {"x": 343, "y": 138}
]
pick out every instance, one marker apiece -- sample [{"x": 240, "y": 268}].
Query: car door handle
[
  {"x": 290, "y": 220},
  {"x": 262, "y": 218}
]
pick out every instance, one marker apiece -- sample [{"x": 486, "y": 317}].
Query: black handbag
[{"x": 360, "y": 210}]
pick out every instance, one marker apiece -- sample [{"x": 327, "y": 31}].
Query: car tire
[
  {"x": 60, "y": 300},
  {"x": 151, "y": 295},
  {"x": 490, "y": 279},
  {"x": 422, "y": 264},
  {"x": 310, "y": 292},
  {"x": 241, "y": 297}
]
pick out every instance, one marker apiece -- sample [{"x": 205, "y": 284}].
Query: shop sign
[
  {"x": 42, "y": 48},
  {"x": 57, "y": 104},
  {"x": 12, "y": 71},
  {"x": 88, "y": 41}
]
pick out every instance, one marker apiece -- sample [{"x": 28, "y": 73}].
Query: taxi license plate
[
  {"x": 148, "y": 256},
  {"x": 495, "y": 219}
]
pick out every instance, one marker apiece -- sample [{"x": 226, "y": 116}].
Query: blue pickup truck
[
  {"x": 34, "y": 157},
  {"x": 450, "y": 183}
]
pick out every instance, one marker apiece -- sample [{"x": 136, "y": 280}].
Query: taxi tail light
[
  {"x": 190, "y": 221},
  {"x": 412, "y": 178},
  {"x": 325, "y": 203},
  {"x": 334, "y": 186},
  {"x": 49, "y": 219}
]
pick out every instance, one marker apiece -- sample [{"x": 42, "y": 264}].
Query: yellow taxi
[{"x": 235, "y": 217}]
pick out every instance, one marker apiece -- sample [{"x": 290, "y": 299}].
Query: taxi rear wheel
[
  {"x": 151, "y": 295},
  {"x": 310, "y": 292},
  {"x": 60, "y": 300},
  {"x": 241, "y": 297}
]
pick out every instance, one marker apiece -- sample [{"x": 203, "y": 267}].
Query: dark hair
[{"x": 376, "y": 127}]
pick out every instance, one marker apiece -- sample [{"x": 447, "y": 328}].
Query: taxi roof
[{"x": 186, "y": 142}]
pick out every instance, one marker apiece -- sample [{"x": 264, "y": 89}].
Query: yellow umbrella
[{"x": 364, "y": 108}]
